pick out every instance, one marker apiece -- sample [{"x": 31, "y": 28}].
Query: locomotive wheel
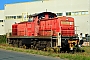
[
  {"x": 13, "y": 43},
  {"x": 8, "y": 41},
  {"x": 32, "y": 47},
  {"x": 24, "y": 46},
  {"x": 37, "y": 45},
  {"x": 48, "y": 44},
  {"x": 20, "y": 44},
  {"x": 35, "y": 48},
  {"x": 16, "y": 43}
]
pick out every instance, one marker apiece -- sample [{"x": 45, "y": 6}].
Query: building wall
[
  {"x": 2, "y": 25},
  {"x": 79, "y": 9}
]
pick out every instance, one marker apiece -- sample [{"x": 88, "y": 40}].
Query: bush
[
  {"x": 2, "y": 39},
  {"x": 57, "y": 50}
]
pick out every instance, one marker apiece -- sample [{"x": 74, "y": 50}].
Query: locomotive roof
[{"x": 44, "y": 13}]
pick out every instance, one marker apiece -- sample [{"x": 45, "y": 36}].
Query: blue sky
[{"x": 2, "y": 2}]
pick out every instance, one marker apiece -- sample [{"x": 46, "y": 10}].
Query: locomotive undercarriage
[
  {"x": 32, "y": 43},
  {"x": 67, "y": 44}
]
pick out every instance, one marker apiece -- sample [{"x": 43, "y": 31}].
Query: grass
[
  {"x": 77, "y": 56},
  {"x": 2, "y": 39}
]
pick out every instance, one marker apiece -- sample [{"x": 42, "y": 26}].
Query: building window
[
  {"x": 68, "y": 13},
  {"x": 72, "y": 13},
  {"x": 80, "y": 13},
  {"x": 85, "y": 12},
  {"x": 10, "y": 17},
  {"x": 1, "y": 20},
  {"x": 14, "y": 17},
  {"x": 6, "y": 17},
  {"x": 76, "y": 13},
  {"x": 18, "y": 17},
  {"x": 59, "y": 14}
]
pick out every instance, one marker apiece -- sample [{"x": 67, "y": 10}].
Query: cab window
[
  {"x": 42, "y": 16},
  {"x": 51, "y": 16}
]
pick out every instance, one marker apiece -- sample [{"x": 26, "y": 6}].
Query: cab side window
[
  {"x": 51, "y": 16},
  {"x": 42, "y": 16}
]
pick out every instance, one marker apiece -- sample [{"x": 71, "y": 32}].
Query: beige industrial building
[
  {"x": 79, "y": 9},
  {"x": 2, "y": 21}
]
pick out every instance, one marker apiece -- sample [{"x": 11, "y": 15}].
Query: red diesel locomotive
[{"x": 45, "y": 30}]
